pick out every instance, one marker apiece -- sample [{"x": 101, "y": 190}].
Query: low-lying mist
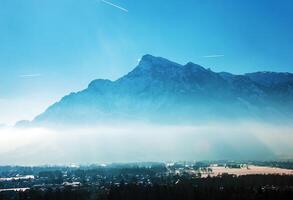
[{"x": 145, "y": 142}]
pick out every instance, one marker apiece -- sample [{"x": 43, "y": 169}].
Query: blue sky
[{"x": 49, "y": 48}]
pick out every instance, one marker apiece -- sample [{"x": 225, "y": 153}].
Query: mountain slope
[{"x": 160, "y": 90}]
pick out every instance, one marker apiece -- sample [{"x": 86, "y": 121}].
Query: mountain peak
[
  {"x": 149, "y": 61},
  {"x": 147, "y": 57},
  {"x": 194, "y": 67},
  {"x": 99, "y": 83}
]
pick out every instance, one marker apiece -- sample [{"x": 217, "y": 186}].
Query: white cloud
[{"x": 114, "y": 5}]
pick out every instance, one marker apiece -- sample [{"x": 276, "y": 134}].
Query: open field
[{"x": 251, "y": 169}]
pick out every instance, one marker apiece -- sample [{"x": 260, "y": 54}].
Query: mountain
[{"x": 162, "y": 91}]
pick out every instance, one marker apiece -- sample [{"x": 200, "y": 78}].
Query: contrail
[
  {"x": 114, "y": 5},
  {"x": 29, "y": 75},
  {"x": 213, "y": 56}
]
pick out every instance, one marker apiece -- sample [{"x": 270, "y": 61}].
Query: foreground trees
[{"x": 249, "y": 187}]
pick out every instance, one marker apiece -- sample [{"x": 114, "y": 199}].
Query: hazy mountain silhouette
[{"x": 159, "y": 90}]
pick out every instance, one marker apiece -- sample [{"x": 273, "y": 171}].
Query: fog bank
[{"x": 145, "y": 142}]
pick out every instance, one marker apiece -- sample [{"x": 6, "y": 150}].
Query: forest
[{"x": 248, "y": 187}]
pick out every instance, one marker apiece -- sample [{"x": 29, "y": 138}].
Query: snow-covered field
[{"x": 252, "y": 169}]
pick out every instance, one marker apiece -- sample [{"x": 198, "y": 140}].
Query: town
[{"x": 135, "y": 180}]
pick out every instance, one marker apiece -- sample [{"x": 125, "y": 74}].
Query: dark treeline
[
  {"x": 187, "y": 192},
  {"x": 279, "y": 164},
  {"x": 249, "y": 187},
  {"x": 218, "y": 188}
]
